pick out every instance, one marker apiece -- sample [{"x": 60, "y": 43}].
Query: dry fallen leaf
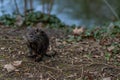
[
  {"x": 64, "y": 42},
  {"x": 96, "y": 56},
  {"x": 78, "y": 31},
  {"x": 16, "y": 63},
  {"x": 9, "y": 67},
  {"x": 107, "y": 78},
  {"x": 19, "y": 20},
  {"x": 110, "y": 48},
  {"x": 2, "y": 48},
  {"x": 72, "y": 75},
  {"x": 29, "y": 75}
]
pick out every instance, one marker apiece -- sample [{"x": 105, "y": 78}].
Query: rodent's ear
[{"x": 37, "y": 29}]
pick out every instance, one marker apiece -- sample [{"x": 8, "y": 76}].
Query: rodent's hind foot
[{"x": 38, "y": 59}]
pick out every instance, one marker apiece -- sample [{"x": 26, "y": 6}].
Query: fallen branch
[
  {"x": 113, "y": 11},
  {"x": 10, "y": 40},
  {"x": 51, "y": 68}
]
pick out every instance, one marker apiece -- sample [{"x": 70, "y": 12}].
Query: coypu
[{"x": 38, "y": 42}]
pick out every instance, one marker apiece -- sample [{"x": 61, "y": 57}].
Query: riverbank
[{"x": 87, "y": 56}]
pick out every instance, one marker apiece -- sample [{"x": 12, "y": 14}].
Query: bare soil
[{"x": 82, "y": 60}]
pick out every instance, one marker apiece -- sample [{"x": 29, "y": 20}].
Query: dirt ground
[{"x": 86, "y": 59}]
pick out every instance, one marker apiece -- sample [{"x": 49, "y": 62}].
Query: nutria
[{"x": 37, "y": 42}]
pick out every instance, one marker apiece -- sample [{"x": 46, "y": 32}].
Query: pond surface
[{"x": 78, "y": 12}]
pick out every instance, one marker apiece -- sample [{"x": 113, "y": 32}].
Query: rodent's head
[{"x": 33, "y": 34}]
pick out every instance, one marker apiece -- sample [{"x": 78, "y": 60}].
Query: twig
[
  {"x": 82, "y": 74},
  {"x": 17, "y": 8},
  {"x": 101, "y": 64},
  {"x": 51, "y": 67},
  {"x": 113, "y": 11},
  {"x": 10, "y": 40},
  {"x": 51, "y": 75}
]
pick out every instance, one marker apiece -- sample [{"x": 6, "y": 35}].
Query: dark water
[{"x": 79, "y": 12}]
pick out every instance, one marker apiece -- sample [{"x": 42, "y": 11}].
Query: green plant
[
  {"x": 107, "y": 56},
  {"x": 7, "y": 19},
  {"x": 103, "y": 32},
  {"x": 116, "y": 50},
  {"x": 36, "y": 17},
  {"x": 71, "y": 38},
  {"x": 115, "y": 31}
]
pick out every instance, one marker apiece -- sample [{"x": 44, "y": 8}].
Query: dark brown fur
[{"x": 37, "y": 42}]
